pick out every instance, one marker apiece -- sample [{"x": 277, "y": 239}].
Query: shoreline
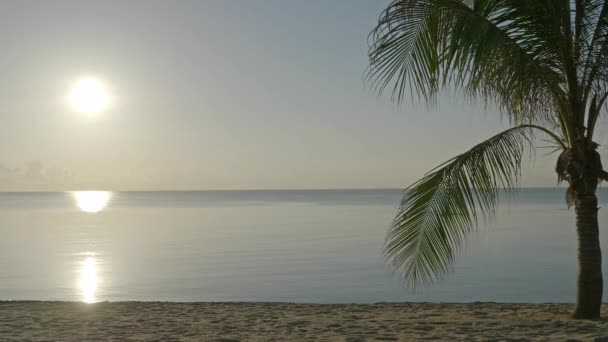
[{"x": 256, "y": 321}]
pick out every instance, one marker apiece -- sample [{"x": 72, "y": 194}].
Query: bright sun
[{"x": 89, "y": 96}]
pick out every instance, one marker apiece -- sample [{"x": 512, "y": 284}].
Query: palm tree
[{"x": 544, "y": 64}]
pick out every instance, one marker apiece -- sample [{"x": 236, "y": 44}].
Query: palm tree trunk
[{"x": 589, "y": 282}]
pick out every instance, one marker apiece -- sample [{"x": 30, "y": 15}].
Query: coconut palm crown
[{"x": 544, "y": 64}]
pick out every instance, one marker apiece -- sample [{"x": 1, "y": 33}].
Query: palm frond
[
  {"x": 594, "y": 47},
  {"x": 438, "y": 211},
  {"x": 502, "y": 52},
  {"x": 552, "y": 146},
  {"x": 595, "y": 109}
]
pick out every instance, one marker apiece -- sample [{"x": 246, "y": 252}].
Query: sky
[{"x": 209, "y": 95}]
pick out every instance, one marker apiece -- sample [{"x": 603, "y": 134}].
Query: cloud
[
  {"x": 7, "y": 172},
  {"x": 34, "y": 170},
  {"x": 36, "y": 176}
]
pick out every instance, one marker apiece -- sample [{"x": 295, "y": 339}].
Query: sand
[{"x": 158, "y": 321}]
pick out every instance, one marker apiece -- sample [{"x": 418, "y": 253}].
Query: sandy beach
[{"x": 162, "y": 321}]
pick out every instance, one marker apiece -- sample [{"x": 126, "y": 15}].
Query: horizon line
[{"x": 245, "y": 190}]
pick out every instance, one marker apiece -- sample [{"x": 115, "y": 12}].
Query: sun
[{"x": 89, "y": 96}]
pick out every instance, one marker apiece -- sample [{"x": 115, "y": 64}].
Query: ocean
[{"x": 308, "y": 246}]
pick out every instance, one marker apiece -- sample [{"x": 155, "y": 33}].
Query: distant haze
[{"x": 215, "y": 95}]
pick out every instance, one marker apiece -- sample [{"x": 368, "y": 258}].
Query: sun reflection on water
[
  {"x": 88, "y": 279},
  {"x": 92, "y": 201}
]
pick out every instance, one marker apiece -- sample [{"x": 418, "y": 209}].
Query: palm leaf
[
  {"x": 438, "y": 211},
  {"x": 504, "y": 52},
  {"x": 594, "y": 47}
]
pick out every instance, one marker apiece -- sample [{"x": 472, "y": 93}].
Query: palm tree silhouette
[{"x": 544, "y": 64}]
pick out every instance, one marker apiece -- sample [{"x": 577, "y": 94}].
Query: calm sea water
[{"x": 322, "y": 246}]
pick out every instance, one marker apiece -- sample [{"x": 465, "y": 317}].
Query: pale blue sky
[{"x": 228, "y": 94}]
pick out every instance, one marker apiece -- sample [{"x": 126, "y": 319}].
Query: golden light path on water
[
  {"x": 92, "y": 201},
  {"x": 88, "y": 279},
  {"x": 89, "y": 202}
]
